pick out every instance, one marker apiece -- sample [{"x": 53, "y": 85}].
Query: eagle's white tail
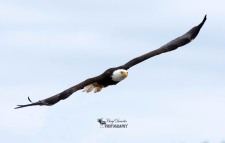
[{"x": 94, "y": 86}]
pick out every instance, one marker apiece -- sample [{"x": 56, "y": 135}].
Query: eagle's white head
[{"x": 119, "y": 75}]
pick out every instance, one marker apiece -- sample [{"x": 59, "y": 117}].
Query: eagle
[{"x": 113, "y": 76}]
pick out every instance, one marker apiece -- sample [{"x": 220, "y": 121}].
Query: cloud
[
  {"x": 11, "y": 13},
  {"x": 193, "y": 7},
  {"x": 19, "y": 121},
  {"x": 26, "y": 39},
  {"x": 175, "y": 119}
]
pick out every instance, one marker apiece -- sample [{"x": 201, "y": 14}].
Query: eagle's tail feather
[
  {"x": 95, "y": 86},
  {"x": 97, "y": 89},
  {"x": 89, "y": 88}
]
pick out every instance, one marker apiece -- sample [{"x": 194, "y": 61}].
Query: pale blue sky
[{"x": 48, "y": 46}]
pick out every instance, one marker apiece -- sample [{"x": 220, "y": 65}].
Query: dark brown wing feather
[
  {"x": 172, "y": 45},
  {"x": 65, "y": 94}
]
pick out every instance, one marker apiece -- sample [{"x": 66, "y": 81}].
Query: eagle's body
[{"x": 113, "y": 76}]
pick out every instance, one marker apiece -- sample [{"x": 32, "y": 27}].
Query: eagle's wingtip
[
  {"x": 29, "y": 99},
  {"x": 205, "y": 17},
  {"x": 18, "y": 106},
  {"x": 21, "y": 106},
  {"x": 202, "y": 23}
]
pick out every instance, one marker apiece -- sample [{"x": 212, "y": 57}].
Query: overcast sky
[{"x": 48, "y": 46}]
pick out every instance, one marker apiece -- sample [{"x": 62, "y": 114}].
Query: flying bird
[{"x": 113, "y": 76}]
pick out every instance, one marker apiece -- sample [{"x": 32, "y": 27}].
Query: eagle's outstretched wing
[
  {"x": 172, "y": 45},
  {"x": 65, "y": 94}
]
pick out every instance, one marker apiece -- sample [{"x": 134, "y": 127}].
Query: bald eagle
[{"x": 112, "y": 76}]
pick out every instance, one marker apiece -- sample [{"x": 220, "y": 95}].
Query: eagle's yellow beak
[{"x": 125, "y": 74}]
